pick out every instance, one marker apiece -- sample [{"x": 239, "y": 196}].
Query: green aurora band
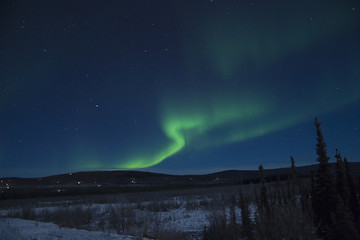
[
  {"x": 233, "y": 120},
  {"x": 181, "y": 129},
  {"x": 233, "y": 44}
]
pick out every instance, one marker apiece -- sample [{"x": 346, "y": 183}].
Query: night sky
[{"x": 180, "y": 87}]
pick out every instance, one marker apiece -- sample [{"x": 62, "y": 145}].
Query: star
[{"x": 171, "y": 81}]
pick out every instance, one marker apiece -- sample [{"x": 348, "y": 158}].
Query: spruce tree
[
  {"x": 332, "y": 214},
  {"x": 345, "y": 225},
  {"x": 341, "y": 181},
  {"x": 353, "y": 199},
  {"x": 264, "y": 204},
  {"x": 324, "y": 198},
  {"x": 293, "y": 168},
  {"x": 293, "y": 181}
]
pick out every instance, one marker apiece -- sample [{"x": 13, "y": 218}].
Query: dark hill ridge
[
  {"x": 148, "y": 178},
  {"x": 103, "y": 182}
]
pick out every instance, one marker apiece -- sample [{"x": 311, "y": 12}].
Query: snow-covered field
[
  {"x": 19, "y": 229},
  {"x": 160, "y": 215},
  {"x": 104, "y": 217}
]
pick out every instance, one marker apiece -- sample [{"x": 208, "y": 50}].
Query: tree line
[{"x": 326, "y": 206}]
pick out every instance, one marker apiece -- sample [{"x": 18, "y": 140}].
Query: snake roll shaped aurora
[
  {"x": 175, "y": 86},
  {"x": 232, "y": 48}
]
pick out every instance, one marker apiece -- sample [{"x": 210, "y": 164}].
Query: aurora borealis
[{"x": 175, "y": 87}]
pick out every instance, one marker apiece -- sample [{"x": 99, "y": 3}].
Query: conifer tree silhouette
[{"x": 323, "y": 195}]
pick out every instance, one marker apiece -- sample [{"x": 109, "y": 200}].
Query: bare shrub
[
  {"x": 288, "y": 216},
  {"x": 287, "y": 221},
  {"x": 223, "y": 224},
  {"x": 75, "y": 217},
  {"x": 121, "y": 219}
]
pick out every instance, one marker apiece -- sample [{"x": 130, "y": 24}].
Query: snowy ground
[
  {"x": 167, "y": 215},
  {"x": 178, "y": 219},
  {"x": 19, "y": 229}
]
